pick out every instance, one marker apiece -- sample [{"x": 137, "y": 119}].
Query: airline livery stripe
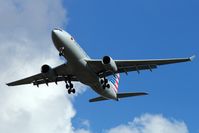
[
  {"x": 115, "y": 82},
  {"x": 115, "y": 86},
  {"x": 115, "y": 89}
]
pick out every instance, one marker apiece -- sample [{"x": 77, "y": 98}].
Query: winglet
[{"x": 192, "y": 58}]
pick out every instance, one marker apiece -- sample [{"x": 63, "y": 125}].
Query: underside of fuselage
[{"x": 76, "y": 57}]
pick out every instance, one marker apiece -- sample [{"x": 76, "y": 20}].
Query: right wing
[
  {"x": 62, "y": 73},
  {"x": 119, "y": 95},
  {"x": 133, "y": 65}
]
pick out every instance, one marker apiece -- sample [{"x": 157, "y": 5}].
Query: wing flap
[{"x": 58, "y": 79}]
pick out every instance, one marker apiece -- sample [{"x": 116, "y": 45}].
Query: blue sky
[
  {"x": 121, "y": 29},
  {"x": 140, "y": 30}
]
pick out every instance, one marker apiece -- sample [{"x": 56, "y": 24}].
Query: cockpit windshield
[{"x": 58, "y": 29}]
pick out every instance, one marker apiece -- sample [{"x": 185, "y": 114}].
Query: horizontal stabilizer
[
  {"x": 97, "y": 99},
  {"x": 123, "y": 95},
  {"x": 119, "y": 95}
]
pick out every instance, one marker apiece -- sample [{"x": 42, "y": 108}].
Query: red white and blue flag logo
[{"x": 115, "y": 81}]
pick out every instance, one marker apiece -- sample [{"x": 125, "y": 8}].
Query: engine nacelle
[
  {"x": 48, "y": 72},
  {"x": 109, "y": 64}
]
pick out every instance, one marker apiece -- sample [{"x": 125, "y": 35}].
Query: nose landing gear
[{"x": 61, "y": 51}]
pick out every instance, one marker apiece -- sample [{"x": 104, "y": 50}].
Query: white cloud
[
  {"x": 148, "y": 123},
  {"x": 86, "y": 123},
  {"x": 25, "y": 45}
]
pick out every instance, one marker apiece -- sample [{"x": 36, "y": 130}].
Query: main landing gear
[
  {"x": 105, "y": 83},
  {"x": 69, "y": 86}
]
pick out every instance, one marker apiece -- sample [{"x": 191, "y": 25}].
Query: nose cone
[
  {"x": 54, "y": 34},
  {"x": 56, "y": 37},
  {"x": 56, "y": 31}
]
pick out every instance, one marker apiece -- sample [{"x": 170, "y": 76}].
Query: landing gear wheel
[
  {"x": 73, "y": 90},
  {"x": 108, "y": 85},
  {"x": 105, "y": 81},
  {"x": 69, "y": 85},
  {"x": 69, "y": 91}
]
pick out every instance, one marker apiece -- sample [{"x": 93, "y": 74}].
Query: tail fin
[{"x": 115, "y": 80}]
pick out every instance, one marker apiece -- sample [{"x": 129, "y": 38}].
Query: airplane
[{"x": 92, "y": 72}]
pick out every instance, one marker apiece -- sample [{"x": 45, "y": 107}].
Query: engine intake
[
  {"x": 109, "y": 64},
  {"x": 106, "y": 59},
  {"x": 45, "y": 69},
  {"x": 48, "y": 72}
]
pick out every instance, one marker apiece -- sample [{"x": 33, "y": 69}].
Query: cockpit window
[
  {"x": 72, "y": 38},
  {"x": 58, "y": 29}
]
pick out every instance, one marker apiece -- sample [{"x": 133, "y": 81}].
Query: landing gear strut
[{"x": 69, "y": 86}]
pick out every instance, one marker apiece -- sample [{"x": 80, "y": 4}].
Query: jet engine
[
  {"x": 48, "y": 72},
  {"x": 109, "y": 64}
]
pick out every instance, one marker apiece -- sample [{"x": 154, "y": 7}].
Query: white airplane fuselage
[
  {"x": 92, "y": 72},
  {"x": 77, "y": 57}
]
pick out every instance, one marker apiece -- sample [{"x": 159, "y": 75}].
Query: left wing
[
  {"x": 62, "y": 72},
  {"x": 133, "y": 65}
]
